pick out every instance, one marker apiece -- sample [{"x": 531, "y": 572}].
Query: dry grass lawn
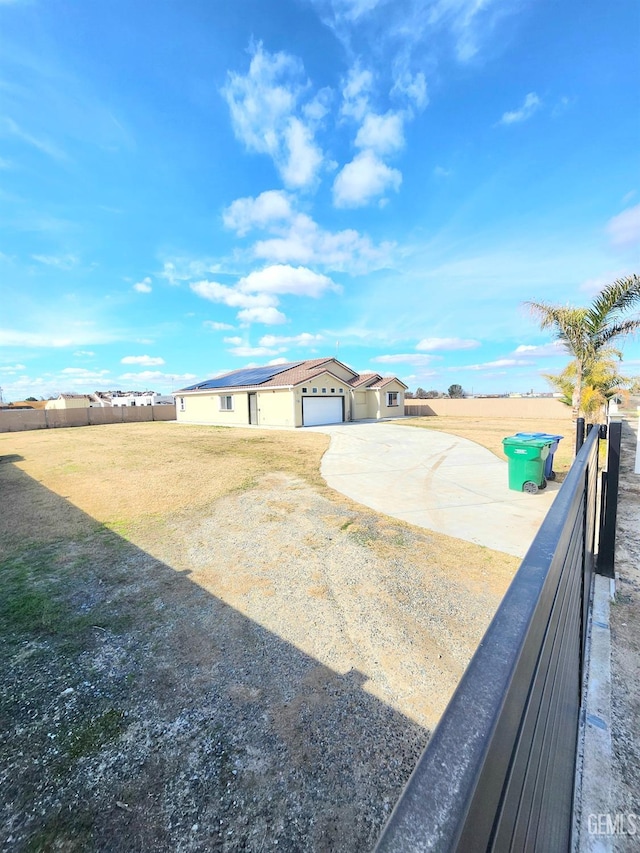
[
  {"x": 198, "y": 632},
  {"x": 489, "y": 432}
]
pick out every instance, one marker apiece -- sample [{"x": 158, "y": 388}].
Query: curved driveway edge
[{"x": 433, "y": 480}]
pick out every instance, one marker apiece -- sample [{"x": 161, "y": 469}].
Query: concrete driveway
[{"x": 433, "y": 480}]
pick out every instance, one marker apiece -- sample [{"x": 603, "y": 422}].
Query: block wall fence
[{"x": 26, "y": 419}]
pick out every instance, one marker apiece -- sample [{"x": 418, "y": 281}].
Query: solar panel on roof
[{"x": 248, "y": 376}]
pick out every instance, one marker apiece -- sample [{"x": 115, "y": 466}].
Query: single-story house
[{"x": 300, "y": 393}]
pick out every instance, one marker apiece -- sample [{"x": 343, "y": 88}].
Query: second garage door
[{"x": 322, "y": 410}]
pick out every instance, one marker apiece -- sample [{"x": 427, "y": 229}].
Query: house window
[
  {"x": 333, "y": 390},
  {"x": 392, "y": 398},
  {"x": 226, "y": 403},
  {"x": 304, "y": 390},
  {"x": 314, "y": 390},
  {"x": 340, "y": 390},
  {"x": 324, "y": 390},
  {"x": 181, "y": 404}
]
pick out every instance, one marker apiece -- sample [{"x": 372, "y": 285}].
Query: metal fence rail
[{"x": 498, "y": 773}]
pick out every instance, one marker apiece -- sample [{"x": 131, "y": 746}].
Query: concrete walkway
[{"x": 433, "y": 480}]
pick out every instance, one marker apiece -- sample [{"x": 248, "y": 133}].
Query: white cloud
[
  {"x": 363, "y": 179},
  {"x": 61, "y": 262},
  {"x": 12, "y": 368},
  {"x": 383, "y": 134},
  {"x": 235, "y": 340},
  {"x": 278, "y": 361},
  {"x": 215, "y": 292},
  {"x": 434, "y": 344},
  {"x": 556, "y": 348},
  {"x": 282, "y": 278},
  {"x": 413, "y": 87},
  {"x": 178, "y": 270},
  {"x": 144, "y": 360},
  {"x": 441, "y": 172},
  {"x": 303, "y": 340},
  {"x": 267, "y": 316},
  {"x": 297, "y": 238},
  {"x": 143, "y": 286},
  {"x": 404, "y": 358},
  {"x": 404, "y": 34},
  {"x": 303, "y": 241},
  {"x": 500, "y": 362},
  {"x": 624, "y": 229},
  {"x": 355, "y": 93},
  {"x": 257, "y": 293},
  {"x": 263, "y": 105},
  {"x": 217, "y": 327},
  {"x": 304, "y": 156},
  {"x": 246, "y": 213},
  {"x": 84, "y": 354},
  {"x": 530, "y": 105}
]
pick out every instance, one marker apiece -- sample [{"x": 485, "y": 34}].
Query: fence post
[
  {"x": 579, "y": 434},
  {"x": 609, "y": 510}
]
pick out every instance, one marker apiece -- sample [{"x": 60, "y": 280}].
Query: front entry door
[{"x": 253, "y": 409}]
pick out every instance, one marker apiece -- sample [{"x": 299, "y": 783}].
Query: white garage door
[{"x": 321, "y": 410}]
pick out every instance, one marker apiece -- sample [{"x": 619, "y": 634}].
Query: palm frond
[
  {"x": 621, "y": 295},
  {"x": 626, "y": 327}
]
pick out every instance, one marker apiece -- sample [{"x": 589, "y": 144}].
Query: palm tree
[
  {"x": 587, "y": 331},
  {"x": 601, "y": 383}
]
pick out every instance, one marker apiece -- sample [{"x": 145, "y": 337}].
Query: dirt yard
[{"x": 207, "y": 649}]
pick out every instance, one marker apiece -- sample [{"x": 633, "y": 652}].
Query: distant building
[
  {"x": 71, "y": 401},
  {"x": 140, "y": 398},
  {"x": 108, "y": 399}
]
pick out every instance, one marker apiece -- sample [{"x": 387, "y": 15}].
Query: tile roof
[
  {"x": 303, "y": 372},
  {"x": 364, "y": 379},
  {"x": 293, "y": 373},
  {"x": 386, "y": 380}
]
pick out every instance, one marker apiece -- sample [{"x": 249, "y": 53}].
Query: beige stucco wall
[
  {"x": 501, "y": 407},
  {"x": 360, "y": 403},
  {"x": 276, "y": 408},
  {"x": 341, "y": 372},
  {"x": 205, "y": 409},
  {"x": 391, "y": 411}
]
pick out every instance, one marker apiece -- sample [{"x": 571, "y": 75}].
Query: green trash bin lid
[{"x": 523, "y": 446}]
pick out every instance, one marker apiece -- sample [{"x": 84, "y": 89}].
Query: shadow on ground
[{"x": 138, "y": 712}]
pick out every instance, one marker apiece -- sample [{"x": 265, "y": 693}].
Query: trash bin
[
  {"x": 527, "y": 457},
  {"x": 549, "y": 473}
]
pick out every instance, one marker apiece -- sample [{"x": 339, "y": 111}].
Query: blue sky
[{"x": 190, "y": 187}]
